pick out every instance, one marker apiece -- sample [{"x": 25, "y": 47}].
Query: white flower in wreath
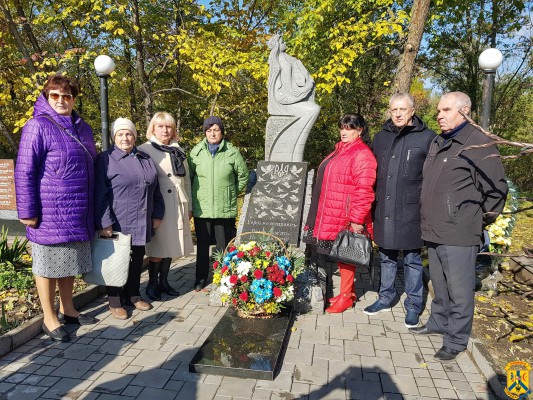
[
  {"x": 225, "y": 285},
  {"x": 244, "y": 268}
]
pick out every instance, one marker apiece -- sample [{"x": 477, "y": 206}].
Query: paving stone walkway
[{"x": 342, "y": 356}]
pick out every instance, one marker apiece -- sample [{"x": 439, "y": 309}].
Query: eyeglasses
[{"x": 56, "y": 96}]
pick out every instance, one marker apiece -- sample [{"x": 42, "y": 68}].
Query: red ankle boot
[
  {"x": 333, "y": 300},
  {"x": 342, "y": 304}
]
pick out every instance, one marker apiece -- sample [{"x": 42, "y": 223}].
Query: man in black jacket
[
  {"x": 464, "y": 189},
  {"x": 400, "y": 149}
]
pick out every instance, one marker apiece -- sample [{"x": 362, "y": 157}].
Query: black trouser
[
  {"x": 452, "y": 270},
  {"x": 117, "y": 295},
  {"x": 222, "y": 230},
  {"x": 323, "y": 270}
]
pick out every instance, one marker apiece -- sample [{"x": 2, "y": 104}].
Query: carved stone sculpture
[{"x": 291, "y": 104}]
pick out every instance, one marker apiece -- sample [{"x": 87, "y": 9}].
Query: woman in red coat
[{"x": 342, "y": 197}]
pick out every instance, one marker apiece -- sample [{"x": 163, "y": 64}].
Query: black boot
[
  {"x": 164, "y": 286},
  {"x": 152, "y": 290}
]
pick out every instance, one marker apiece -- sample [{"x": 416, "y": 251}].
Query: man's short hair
[
  {"x": 461, "y": 100},
  {"x": 402, "y": 96}
]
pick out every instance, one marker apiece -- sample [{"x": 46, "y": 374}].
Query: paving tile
[
  {"x": 408, "y": 360},
  {"x": 67, "y": 388},
  {"x": 111, "y": 382},
  {"x": 428, "y": 392},
  {"x": 447, "y": 393},
  {"x": 391, "y": 344},
  {"x": 466, "y": 395},
  {"x": 72, "y": 369},
  {"x": 111, "y": 346},
  {"x": 199, "y": 391},
  {"x": 152, "y": 377},
  {"x": 334, "y": 353},
  {"x": 363, "y": 390},
  {"x": 297, "y": 356},
  {"x": 113, "y": 363},
  {"x": 370, "y": 330},
  {"x": 383, "y": 354},
  {"x": 234, "y": 386},
  {"x": 442, "y": 383},
  {"x": 358, "y": 348},
  {"x": 313, "y": 375},
  {"x": 379, "y": 365},
  {"x": 159, "y": 394},
  {"x": 328, "y": 393},
  {"x": 282, "y": 382},
  {"x": 149, "y": 358},
  {"x": 399, "y": 384},
  {"x": 79, "y": 351},
  {"x": 23, "y": 392}
]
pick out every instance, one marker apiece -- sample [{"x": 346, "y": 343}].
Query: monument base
[{"x": 244, "y": 347}]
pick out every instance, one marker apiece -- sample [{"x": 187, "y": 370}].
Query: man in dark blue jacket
[
  {"x": 400, "y": 149},
  {"x": 464, "y": 189}
]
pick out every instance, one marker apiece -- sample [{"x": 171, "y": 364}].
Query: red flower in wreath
[
  {"x": 258, "y": 274},
  {"x": 216, "y": 264},
  {"x": 240, "y": 254},
  {"x": 234, "y": 301},
  {"x": 233, "y": 279},
  {"x": 244, "y": 296},
  {"x": 223, "y": 270},
  {"x": 232, "y": 248},
  {"x": 277, "y": 292},
  {"x": 290, "y": 278},
  {"x": 244, "y": 279}
]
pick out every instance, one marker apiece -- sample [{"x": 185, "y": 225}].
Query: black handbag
[{"x": 352, "y": 248}]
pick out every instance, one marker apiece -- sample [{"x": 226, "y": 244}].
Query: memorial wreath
[{"x": 257, "y": 278}]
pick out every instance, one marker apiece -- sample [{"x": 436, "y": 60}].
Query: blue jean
[{"x": 412, "y": 266}]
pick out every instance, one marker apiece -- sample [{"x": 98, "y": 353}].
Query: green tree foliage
[{"x": 194, "y": 59}]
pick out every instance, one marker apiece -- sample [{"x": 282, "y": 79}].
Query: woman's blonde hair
[{"x": 164, "y": 117}]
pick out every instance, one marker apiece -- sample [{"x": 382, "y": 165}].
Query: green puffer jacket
[{"x": 216, "y": 181}]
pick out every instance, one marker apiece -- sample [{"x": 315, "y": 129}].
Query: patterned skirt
[
  {"x": 322, "y": 246},
  {"x": 61, "y": 260}
]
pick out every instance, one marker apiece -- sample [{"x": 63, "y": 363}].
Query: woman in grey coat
[{"x": 128, "y": 200}]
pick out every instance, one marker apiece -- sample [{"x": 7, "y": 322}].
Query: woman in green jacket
[{"x": 218, "y": 174}]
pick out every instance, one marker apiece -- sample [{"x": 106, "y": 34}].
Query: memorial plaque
[
  {"x": 7, "y": 185},
  {"x": 276, "y": 202},
  {"x": 244, "y": 347}
]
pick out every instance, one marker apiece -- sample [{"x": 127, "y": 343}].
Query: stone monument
[{"x": 291, "y": 104}]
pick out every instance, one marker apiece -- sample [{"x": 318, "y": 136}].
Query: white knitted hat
[{"x": 123, "y": 123}]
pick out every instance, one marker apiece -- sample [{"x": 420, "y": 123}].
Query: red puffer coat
[{"x": 347, "y": 190}]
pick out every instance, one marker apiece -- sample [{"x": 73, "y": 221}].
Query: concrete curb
[
  {"x": 487, "y": 366},
  {"x": 29, "y": 329}
]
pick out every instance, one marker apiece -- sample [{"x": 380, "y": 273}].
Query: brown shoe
[
  {"x": 118, "y": 313},
  {"x": 140, "y": 304}
]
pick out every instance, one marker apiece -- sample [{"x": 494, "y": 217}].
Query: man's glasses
[{"x": 56, "y": 96}]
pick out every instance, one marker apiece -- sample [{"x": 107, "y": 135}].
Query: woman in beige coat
[{"x": 173, "y": 237}]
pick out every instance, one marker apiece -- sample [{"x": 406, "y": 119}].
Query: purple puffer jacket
[{"x": 54, "y": 176}]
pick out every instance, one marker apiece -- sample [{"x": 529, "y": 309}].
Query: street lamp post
[
  {"x": 489, "y": 61},
  {"x": 104, "y": 65}
]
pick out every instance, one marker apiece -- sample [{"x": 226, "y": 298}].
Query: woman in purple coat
[
  {"x": 54, "y": 180},
  {"x": 128, "y": 200}
]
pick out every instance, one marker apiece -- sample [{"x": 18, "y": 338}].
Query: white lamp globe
[
  {"x": 490, "y": 59},
  {"x": 104, "y": 65}
]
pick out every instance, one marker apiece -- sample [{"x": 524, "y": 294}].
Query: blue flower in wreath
[
  {"x": 227, "y": 257},
  {"x": 284, "y": 263},
  {"x": 262, "y": 290}
]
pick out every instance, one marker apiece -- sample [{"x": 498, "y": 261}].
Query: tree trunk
[
  {"x": 131, "y": 87},
  {"x": 27, "y": 27},
  {"x": 139, "y": 62},
  {"x": 404, "y": 75},
  {"x": 18, "y": 39}
]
